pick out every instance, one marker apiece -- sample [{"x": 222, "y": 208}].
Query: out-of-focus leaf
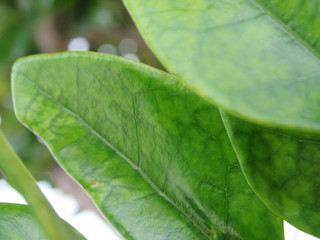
[
  {"x": 34, "y": 154},
  {"x": 257, "y": 59},
  {"x": 20, "y": 178},
  {"x": 15, "y": 37},
  {"x": 17, "y": 223},
  {"x": 32, "y": 8},
  {"x": 153, "y": 155}
]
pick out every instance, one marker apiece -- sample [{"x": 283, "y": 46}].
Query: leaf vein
[{"x": 117, "y": 151}]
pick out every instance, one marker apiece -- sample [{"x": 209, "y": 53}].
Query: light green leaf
[
  {"x": 256, "y": 59},
  {"x": 18, "y": 176},
  {"x": 282, "y": 167},
  {"x": 154, "y": 156},
  {"x": 17, "y": 223}
]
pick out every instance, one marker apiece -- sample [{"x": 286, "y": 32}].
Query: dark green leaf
[
  {"x": 154, "y": 156},
  {"x": 282, "y": 167},
  {"x": 15, "y": 38},
  {"x": 257, "y": 59}
]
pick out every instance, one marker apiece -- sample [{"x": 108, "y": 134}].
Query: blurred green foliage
[{"x": 44, "y": 26}]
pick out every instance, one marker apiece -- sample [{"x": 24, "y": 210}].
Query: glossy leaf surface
[
  {"x": 256, "y": 59},
  {"x": 154, "y": 156},
  {"x": 282, "y": 167}
]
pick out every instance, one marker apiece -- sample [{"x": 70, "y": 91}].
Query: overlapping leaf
[
  {"x": 282, "y": 168},
  {"x": 154, "y": 156},
  {"x": 257, "y": 59},
  {"x": 18, "y": 223}
]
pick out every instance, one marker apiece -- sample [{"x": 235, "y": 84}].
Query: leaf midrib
[
  {"x": 119, "y": 153},
  {"x": 305, "y": 44}
]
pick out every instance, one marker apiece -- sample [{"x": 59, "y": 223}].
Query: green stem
[{"x": 20, "y": 178}]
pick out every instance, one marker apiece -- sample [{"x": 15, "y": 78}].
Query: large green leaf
[
  {"x": 17, "y": 223},
  {"x": 257, "y": 59},
  {"x": 154, "y": 156},
  {"x": 283, "y": 169}
]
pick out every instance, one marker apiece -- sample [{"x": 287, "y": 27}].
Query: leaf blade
[
  {"x": 19, "y": 177},
  {"x": 17, "y": 222},
  {"x": 280, "y": 166},
  {"x": 145, "y": 147},
  {"x": 231, "y": 50}
]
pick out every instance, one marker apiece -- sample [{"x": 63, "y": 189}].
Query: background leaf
[
  {"x": 256, "y": 59},
  {"x": 154, "y": 156},
  {"x": 282, "y": 168},
  {"x": 17, "y": 223},
  {"x": 18, "y": 176}
]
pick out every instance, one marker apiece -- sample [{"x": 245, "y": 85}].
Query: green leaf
[
  {"x": 15, "y": 38},
  {"x": 154, "y": 156},
  {"x": 282, "y": 168},
  {"x": 256, "y": 59},
  {"x": 17, "y": 223},
  {"x": 18, "y": 176}
]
